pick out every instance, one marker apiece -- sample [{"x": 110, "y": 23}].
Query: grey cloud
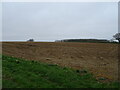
[{"x": 52, "y": 21}]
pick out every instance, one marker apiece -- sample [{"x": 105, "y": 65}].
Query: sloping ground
[
  {"x": 100, "y": 58},
  {"x": 19, "y": 73}
]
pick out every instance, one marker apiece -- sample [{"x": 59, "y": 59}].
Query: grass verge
[{"x": 19, "y": 73}]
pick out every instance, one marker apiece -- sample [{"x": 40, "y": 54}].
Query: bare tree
[{"x": 117, "y": 36}]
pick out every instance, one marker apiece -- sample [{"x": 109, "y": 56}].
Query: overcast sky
[{"x": 55, "y": 21}]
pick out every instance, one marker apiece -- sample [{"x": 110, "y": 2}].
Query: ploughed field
[{"x": 101, "y": 59}]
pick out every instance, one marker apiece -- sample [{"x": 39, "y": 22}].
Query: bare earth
[{"x": 99, "y": 58}]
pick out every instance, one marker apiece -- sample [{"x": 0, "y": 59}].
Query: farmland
[{"x": 101, "y": 59}]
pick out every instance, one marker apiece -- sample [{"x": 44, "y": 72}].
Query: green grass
[{"x": 19, "y": 73}]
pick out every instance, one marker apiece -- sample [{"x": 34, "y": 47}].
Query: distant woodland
[{"x": 84, "y": 40}]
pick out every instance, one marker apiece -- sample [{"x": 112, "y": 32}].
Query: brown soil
[{"x": 99, "y": 58}]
